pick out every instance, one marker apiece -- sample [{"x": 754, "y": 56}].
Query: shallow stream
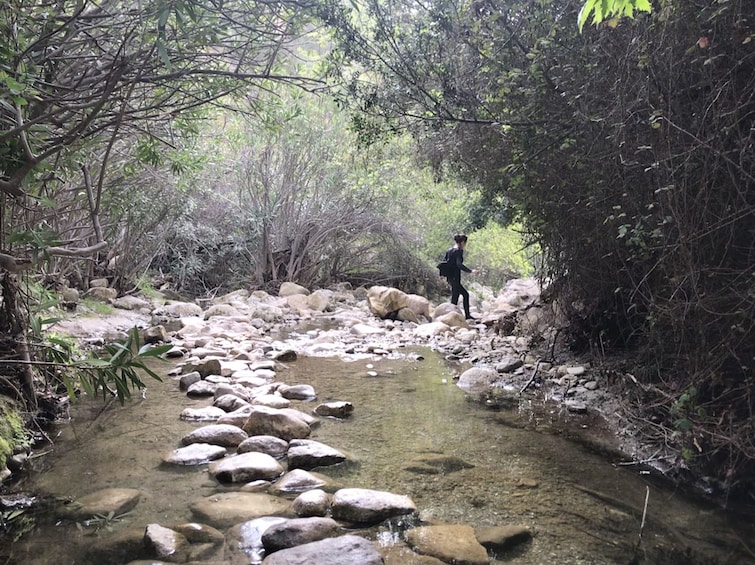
[{"x": 524, "y": 469}]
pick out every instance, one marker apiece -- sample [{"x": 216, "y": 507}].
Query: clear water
[{"x": 580, "y": 506}]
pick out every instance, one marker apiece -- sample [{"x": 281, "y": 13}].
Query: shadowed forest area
[{"x": 200, "y": 146}]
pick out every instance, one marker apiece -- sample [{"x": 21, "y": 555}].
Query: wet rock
[
  {"x": 188, "y": 379},
  {"x": 226, "y": 509},
  {"x": 331, "y": 551},
  {"x": 366, "y": 506},
  {"x": 298, "y": 480},
  {"x": 208, "y": 366},
  {"x": 201, "y": 389},
  {"x": 285, "y": 356},
  {"x": 273, "y": 446},
  {"x": 477, "y": 379},
  {"x": 238, "y": 417},
  {"x": 200, "y": 533},
  {"x": 499, "y": 538},
  {"x": 229, "y": 402},
  {"x": 315, "y": 502},
  {"x": 299, "y": 531},
  {"x": 216, "y": 434},
  {"x": 195, "y": 454},
  {"x": 271, "y": 421},
  {"x": 103, "y": 502},
  {"x": 271, "y": 401},
  {"x": 225, "y": 388},
  {"x": 338, "y": 409},
  {"x": 308, "y": 454},
  {"x": 120, "y": 547},
  {"x": 246, "y": 467},
  {"x": 450, "y": 543},
  {"x": 166, "y": 544},
  {"x": 434, "y": 464},
  {"x": 401, "y": 554},
  {"x": 206, "y": 414},
  {"x": 297, "y": 392},
  {"x": 244, "y": 541},
  {"x": 308, "y": 419}
]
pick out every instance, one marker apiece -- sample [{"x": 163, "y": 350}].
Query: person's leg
[
  {"x": 465, "y": 296},
  {"x": 455, "y": 290}
]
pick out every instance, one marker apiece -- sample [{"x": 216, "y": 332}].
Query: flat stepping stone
[
  {"x": 102, "y": 503},
  {"x": 216, "y": 434},
  {"x": 298, "y": 531},
  {"x": 366, "y": 506},
  {"x": 246, "y": 467},
  {"x": 308, "y": 454},
  {"x": 225, "y": 509},
  {"x": 297, "y": 481},
  {"x": 206, "y": 414},
  {"x": 273, "y": 446},
  {"x": 195, "y": 454},
  {"x": 450, "y": 543},
  {"x": 332, "y": 551},
  {"x": 337, "y": 409}
]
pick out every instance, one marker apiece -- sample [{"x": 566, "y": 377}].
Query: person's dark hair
[{"x": 460, "y": 238}]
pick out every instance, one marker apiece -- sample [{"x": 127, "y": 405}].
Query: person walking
[{"x": 455, "y": 259}]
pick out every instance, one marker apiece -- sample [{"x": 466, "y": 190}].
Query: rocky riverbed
[{"x": 275, "y": 501}]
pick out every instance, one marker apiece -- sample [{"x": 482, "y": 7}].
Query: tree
[
  {"x": 80, "y": 80},
  {"x": 610, "y": 10},
  {"x": 626, "y": 154}
]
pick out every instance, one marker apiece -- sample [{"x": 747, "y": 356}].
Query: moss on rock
[{"x": 12, "y": 430}]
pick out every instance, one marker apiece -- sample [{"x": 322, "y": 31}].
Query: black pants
[{"x": 458, "y": 290}]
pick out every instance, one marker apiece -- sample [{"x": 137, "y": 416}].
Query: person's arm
[{"x": 460, "y": 261}]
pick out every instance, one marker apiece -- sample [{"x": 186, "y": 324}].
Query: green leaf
[{"x": 148, "y": 350}]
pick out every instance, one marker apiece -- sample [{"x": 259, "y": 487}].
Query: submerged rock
[
  {"x": 195, "y": 454},
  {"x": 228, "y": 508},
  {"x": 103, "y": 502},
  {"x": 450, "y": 543}
]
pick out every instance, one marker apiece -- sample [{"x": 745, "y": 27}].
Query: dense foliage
[{"x": 626, "y": 151}]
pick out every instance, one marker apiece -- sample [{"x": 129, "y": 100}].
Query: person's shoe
[{"x": 471, "y": 318}]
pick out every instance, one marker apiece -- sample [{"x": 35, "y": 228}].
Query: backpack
[{"x": 444, "y": 267}]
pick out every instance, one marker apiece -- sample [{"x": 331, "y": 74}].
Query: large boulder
[{"x": 384, "y": 301}]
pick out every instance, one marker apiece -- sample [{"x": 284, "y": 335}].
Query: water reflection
[{"x": 519, "y": 467}]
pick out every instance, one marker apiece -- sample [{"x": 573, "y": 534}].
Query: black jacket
[{"x": 455, "y": 258}]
